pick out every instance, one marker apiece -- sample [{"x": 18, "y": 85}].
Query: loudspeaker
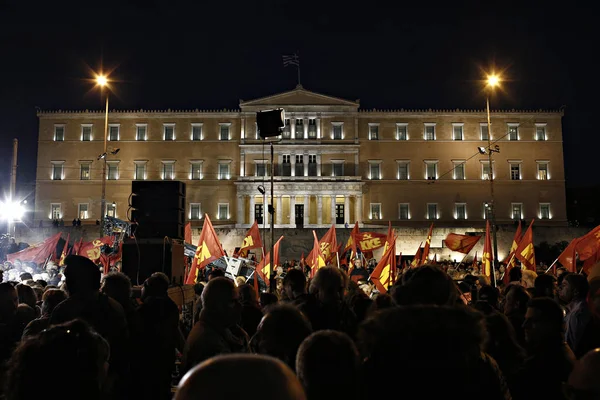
[
  {"x": 270, "y": 123},
  {"x": 143, "y": 257},
  {"x": 158, "y": 209}
]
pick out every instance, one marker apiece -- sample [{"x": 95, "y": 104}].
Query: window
[
  {"x": 59, "y": 133},
  {"x": 429, "y": 132},
  {"x": 168, "y": 170},
  {"x": 140, "y": 170},
  {"x": 286, "y": 134},
  {"x": 112, "y": 170},
  {"x": 457, "y": 131},
  {"x": 540, "y": 131},
  {"x": 223, "y": 211},
  {"x": 337, "y": 129},
  {"x": 168, "y": 131},
  {"x": 375, "y": 210},
  {"x": 111, "y": 210},
  {"x": 545, "y": 211},
  {"x": 483, "y": 131},
  {"x": 299, "y": 128},
  {"x": 140, "y": 132},
  {"x": 224, "y": 170},
  {"x": 517, "y": 211},
  {"x": 299, "y": 165},
  {"x": 82, "y": 211},
  {"x": 86, "y": 132},
  {"x": 460, "y": 211},
  {"x": 403, "y": 170},
  {"x": 337, "y": 168},
  {"x": 373, "y": 131},
  {"x": 404, "y": 211},
  {"x": 401, "y": 131},
  {"x": 513, "y": 131},
  {"x": 195, "y": 211},
  {"x": 485, "y": 170},
  {"x": 57, "y": 170},
  {"x": 431, "y": 170},
  {"x": 542, "y": 170},
  {"x": 515, "y": 171},
  {"x": 286, "y": 166},
  {"x": 224, "y": 131},
  {"x": 196, "y": 170},
  {"x": 196, "y": 132},
  {"x": 375, "y": 169},
  {"x": 55, "y": 211},
  {"x": 113, "y": 132},
  {"x": 85, "y": 171},
  {"x": 312, "y": 165},
  {"x": 432, "y": 211},
  {"x": 261, "y": 168},
  {"x": 312, "y": 128},
  {"x": 459, "y": 170}
]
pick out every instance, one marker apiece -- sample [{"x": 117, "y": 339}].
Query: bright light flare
[
  {"x": 11, "y": 211},
  {"x": 493, "y": 80},
  {"x": 101, "y": 80}
]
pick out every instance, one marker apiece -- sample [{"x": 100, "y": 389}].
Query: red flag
[
  {"x": 434, "y": 261},
  {"x": 77, "y": 246},
  {"x": 369, "y": 241},
  {"x": 252, "y": 240},
  {"x": 486, "y": 259},
  {"x": 589, "y": 244},
  {"x": 567, "y": 257},
  {"x": 510, "y": 259},
  {"x": 390, "y": 240},
  {"x": 63, "y": 255},
  {"x": 351, "y": 244},
  {"x": 427, "y": 244},
  {"x": 317, "y": 261},
  {"x": 327, "y": 244},
  {"x": 590, "y": 262},
  {"x": 37, "y": 253},
  {"x": 188, "y": 233},
  {"x": 110, "y": 260},
  {"x": 382, "y": 274},
  {"x": 209, "y": 249},
  {"x": 461, "y": 243},
  {"x": 417, "y": 259},
  {"x": 93, "y": 249},
  {"x": 475, "y": 261},
  {"x": 302, "y": 260},
  {"x": 525, "y": 252},
  {"x": 263, "y": 269}
]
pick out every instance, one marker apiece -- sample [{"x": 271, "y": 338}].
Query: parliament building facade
[{"x": 333, "y": 163}]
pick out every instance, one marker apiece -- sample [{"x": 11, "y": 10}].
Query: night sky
[{"x": 179, "y": 54}]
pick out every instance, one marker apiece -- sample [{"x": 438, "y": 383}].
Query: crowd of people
[{"x": 428, "y": 337}]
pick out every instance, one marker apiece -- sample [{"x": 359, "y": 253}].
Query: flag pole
[{"x": 552, "y": 265}]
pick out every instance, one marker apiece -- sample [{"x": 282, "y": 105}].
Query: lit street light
[{"x": 11, "y": 212}]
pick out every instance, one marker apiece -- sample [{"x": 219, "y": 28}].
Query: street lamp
[
  {"x": 102, "y": 81},
  {"x": 492, "y": 81}
]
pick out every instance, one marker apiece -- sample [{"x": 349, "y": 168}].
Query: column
[
  {"x": 358, "y": 208},
  {"x": 305, "y": 159},
  {"x": 293, "y": 209},
  {"x": 305, "y": 122},
  {"x": 242, "y": 163},
  {"x": 252, "y": 216},
  {"x": 356, "y": 165},
  {"x": 306, "y": 212},
  {"x": 346, "y": 209},
  {"x": 319, "y": 164},
  {"x": 293, "y": 162},
  {"x": 332, "y": 209},
  {"x": 242, "y": 130},
  {"x": 293, "y": 128},
  {"x": 241, "y": 218},
  {"x": 318, "y": 123},
  {"x": 278, "y": 211},
  {"x": 319, "y": 210}
]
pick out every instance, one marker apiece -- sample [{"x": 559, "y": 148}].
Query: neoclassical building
[{"x": 334, "y": 162}]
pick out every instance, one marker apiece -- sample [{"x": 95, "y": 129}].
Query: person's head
[
  {"x": 545, "y": 286},
  {"x": 240, "y": 281},
  {"x": 157, "y": 285},
  {"x": 327, "y": 366},
  {"x": 583, "y": 383},
  {"x": 428, "y": 285},
  {"x": 328, "y": 286},
  {"x": 220, "y": 298},
  {"x": 76, "y": 352},
  {"x": 50, "y": 299},
  {"x": 82, "y": 276},
  {"x": 9, "y": 301},
  {"x": 574, "y": 287},
  {"x": 26, "y": 295},
  {"x": 280, "y": 333},
  {"x": 294, "y": 284},
  {"x": 490, "y": 295},
  {"x": 502, "y": 342},
  {"x": 267, "y": 300},
  {"x": 515, "y": 274},
  {"x": 216, "y": 273},
  {"x": 247, "y": 295},
  {"x": 212, "y": 379},
  {"x": 25, "y": 276},
  {"x": 117, "y": 285},
  {"x": 544, "y": 322},
  {"x": 25, "y": 314},
  {"x": 516, "y": 300}
]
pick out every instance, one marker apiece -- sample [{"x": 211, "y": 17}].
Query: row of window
[
  {"x": 460, "y": 211},
  {"x": 337, "y": 131}
]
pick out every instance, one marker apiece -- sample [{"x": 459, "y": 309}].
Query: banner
[{"x": 38, "y": 253}]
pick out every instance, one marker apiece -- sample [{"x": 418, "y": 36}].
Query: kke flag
[
  {"x": 263, "y": 269},
  {"x": 390, "y": 241},
  {"x": 589, "y": 244},
  {"x": 369, "y": 241},
  {"x": 486, "y": 258},
  {"x": 315, "y": 259},
  {"x": 461, "y": 243},
  {"x": 327, "y": 244},
  {"x": 426, "y": 248},
  {"x": 567, "y": 257},
  {"x": 37, "y": 253},
  {"x": 525, "y": 252},
  {"x": 511, "y": 255},
  {"x": 382, "y": 275},
  {"x": 351, "y": 245},
  {"x": 188, "y": 233},
  {"x": 64, "y": 254},
  {"x": 417, "y": 260},
  {"x": 252, "y": 240},
  {"x": 93, "y": 249},
  {"x": 209, "y": 249}
]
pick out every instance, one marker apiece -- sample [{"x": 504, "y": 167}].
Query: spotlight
[
  {"x": 481, "y": 150},
  {"x": 261, "y": 189},
  {"x": 101, "y": 156},
  {"x": 114, "y": 151}
]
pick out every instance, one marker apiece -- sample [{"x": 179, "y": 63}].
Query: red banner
[{"x": 38, "y": 253}]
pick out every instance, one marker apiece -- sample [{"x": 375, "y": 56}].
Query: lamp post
[
  {"x": 492, "y": 81},
  {"x": 102, "y": 81}
]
